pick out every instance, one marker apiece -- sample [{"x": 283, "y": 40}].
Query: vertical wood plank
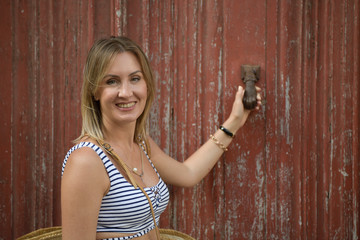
[
  {"x": 209, "y": 110},
  {"x": 24, "y": 116},
  {"x": 60, "y": 142},
  {"x": 44, "y": 115},
  {"x": 6, "y": 52},
  {"x": 341, "y": 114},
  {"x": 244, "y": 38},
  {"x": 161, "y": 122},
  {"x": 310, "y": 131},
  {"x": 354, "y": 75}
]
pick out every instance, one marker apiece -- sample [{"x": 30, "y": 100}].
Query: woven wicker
[
  {"x": 51, "y": 233},
  {"x": 170, "y": 234},
  {"x": 54, "y": 233}
]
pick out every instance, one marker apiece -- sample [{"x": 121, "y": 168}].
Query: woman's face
[{"x": 122, "y": 92}]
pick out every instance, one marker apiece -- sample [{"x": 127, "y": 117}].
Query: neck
[{"x": 120, "y": 135}]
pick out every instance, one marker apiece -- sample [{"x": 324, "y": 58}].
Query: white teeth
[{"x": 125, "y": 105}]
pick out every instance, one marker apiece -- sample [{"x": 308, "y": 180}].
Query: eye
[
  {"x": 135, "y": 78},
  {"x": 111, "y": 81}
]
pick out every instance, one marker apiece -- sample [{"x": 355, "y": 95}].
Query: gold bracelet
[{"x": 218, "y": 143}]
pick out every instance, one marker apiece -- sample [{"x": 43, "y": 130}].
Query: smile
[{"x": 125, "y": 105}]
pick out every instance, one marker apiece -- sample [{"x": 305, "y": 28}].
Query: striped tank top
[{"x": 125, "y": 209}]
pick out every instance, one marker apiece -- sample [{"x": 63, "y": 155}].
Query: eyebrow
[
  {"x": 112, "y": 75},
  {"x": 137, "y": 71}
]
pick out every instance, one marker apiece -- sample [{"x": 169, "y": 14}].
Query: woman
[{"x": 97, "y": 198}]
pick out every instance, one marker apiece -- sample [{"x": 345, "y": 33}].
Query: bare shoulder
[
  {"x": 84, "y": 157},
  {"x": 85, "y": 163},
  {"x": 85, "y": 170}
]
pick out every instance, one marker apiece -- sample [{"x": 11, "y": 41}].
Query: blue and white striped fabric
[{"x": 125, "y": 209}]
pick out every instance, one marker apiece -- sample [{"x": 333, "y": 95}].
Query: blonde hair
[{"x": 98, "y": 60}]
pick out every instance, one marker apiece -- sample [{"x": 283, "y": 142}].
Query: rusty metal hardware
[{"x": 250, "y": 74}]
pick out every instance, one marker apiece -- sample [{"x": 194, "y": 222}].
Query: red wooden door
[{"x": 291, "y": 173}]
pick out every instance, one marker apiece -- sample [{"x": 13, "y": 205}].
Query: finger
[
  {"x": 258, "y": 97},
  {"x": 240, "y": 89},
  {"x": 258, "y": 89},
  {"x": 240, "y": 92}
]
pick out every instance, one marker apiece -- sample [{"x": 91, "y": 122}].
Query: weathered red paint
[
  {"x": 291, "y": 173},
  {"x": 5, "y": 123}
]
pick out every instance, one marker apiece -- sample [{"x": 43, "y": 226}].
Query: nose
[{"x": 125, "y": 90}]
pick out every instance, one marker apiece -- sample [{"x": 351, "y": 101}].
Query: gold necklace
[
  {"x": 109, "y": 150},
  {"x": 135, "y": 170}
]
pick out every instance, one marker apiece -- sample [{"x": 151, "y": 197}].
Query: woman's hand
[{"x": 239, "y": 114}]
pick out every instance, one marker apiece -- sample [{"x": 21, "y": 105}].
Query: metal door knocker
[{"x": 250, "y": 75}]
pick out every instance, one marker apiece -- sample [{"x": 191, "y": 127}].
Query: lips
[{"x": 125, "y": 105}]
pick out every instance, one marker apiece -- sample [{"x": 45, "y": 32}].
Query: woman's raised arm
[{"x": 199, "y": 164}]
